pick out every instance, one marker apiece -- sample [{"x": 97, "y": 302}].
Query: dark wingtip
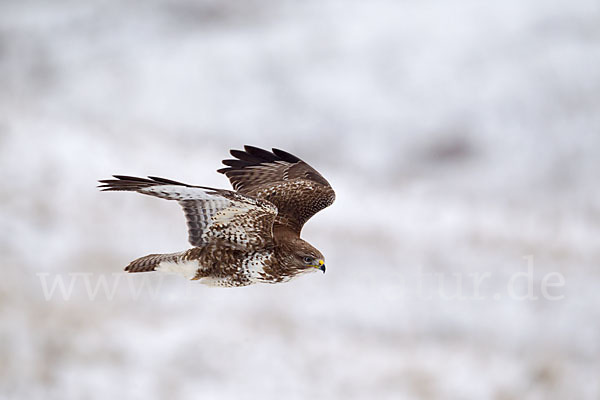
[
  {"x": 133, "y": 183},
  {"x": 285, "y": 156},
  {"x": 130, "y": 178},
  {"x": 254, "y": 156},
  {"x": 237, "y": 163},
  {"x": 166, "y": 181},
  {"x": 262, "y": 154},
  {"x": 106, "y": 185}
]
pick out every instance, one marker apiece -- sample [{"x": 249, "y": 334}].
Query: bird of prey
[{"x": 243, "y": 236}]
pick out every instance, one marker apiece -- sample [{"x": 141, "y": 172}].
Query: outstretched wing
[
  {"x": 294, "y": 187},
  {"x": 213, "y": 215}
]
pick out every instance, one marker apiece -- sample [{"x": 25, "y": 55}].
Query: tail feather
[{"x": 150, "y": 262}]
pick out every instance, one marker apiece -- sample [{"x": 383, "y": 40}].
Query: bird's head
[{"x": 306, "y": 258}]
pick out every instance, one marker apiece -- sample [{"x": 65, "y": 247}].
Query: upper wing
[
  {"x": 294, "y": 187},
  {"x": 213, "y": 215}
]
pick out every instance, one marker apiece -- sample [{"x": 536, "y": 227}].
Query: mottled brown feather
[{"x": 294, "y": 187}]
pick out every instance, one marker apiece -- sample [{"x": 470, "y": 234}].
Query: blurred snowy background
[{"x": 462, "y": 138}]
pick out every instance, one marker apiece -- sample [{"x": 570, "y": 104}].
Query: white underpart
[
  {"x": 252, "y": 269},
  {"x": 220, "y": 217},
  {"x": 175, "y": 192},
  {"x": 188, "y": 269},
  {"x": 225, "y": 215},
  {"x": 210, "y": 281},
  {"x": 254, "y": 266},
  {"x": 225, "y": 219}
]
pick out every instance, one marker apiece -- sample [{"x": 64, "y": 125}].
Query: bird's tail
[{"x": 152, "y": 261}]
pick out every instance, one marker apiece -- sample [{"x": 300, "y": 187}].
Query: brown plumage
[{"x": 248, "y": 235}]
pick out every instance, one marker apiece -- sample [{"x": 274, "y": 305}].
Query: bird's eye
[{"x": 307, "y": 260}]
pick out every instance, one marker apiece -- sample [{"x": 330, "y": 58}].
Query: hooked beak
[{"x": 321, "y": 265}]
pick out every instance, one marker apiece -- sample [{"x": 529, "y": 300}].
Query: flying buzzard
[{"x": 245, "y": 236}]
